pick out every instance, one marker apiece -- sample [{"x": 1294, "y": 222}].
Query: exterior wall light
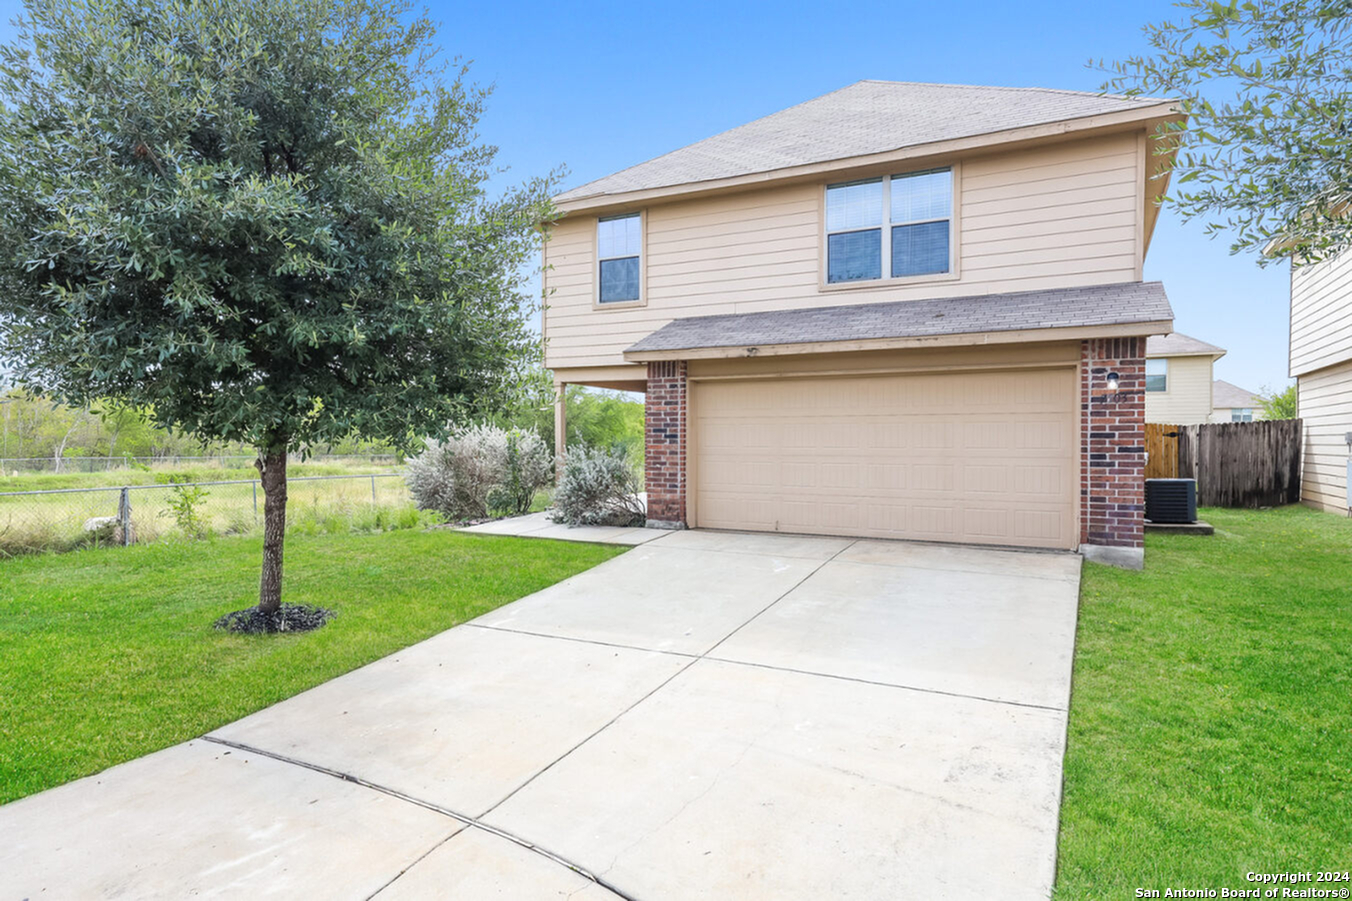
[{"x": 1113, "y": 379}]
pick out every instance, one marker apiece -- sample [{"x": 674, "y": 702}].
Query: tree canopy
[
  {"x": 1284, "y": 404},
  {"x": 266, "y": 222},
  {"x": 1266, "y": 153}
]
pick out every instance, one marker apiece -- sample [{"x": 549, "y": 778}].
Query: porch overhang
[{"x": 1130, "y": 309}]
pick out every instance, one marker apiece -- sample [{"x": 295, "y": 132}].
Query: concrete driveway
[{"x": 710, "y": 715}]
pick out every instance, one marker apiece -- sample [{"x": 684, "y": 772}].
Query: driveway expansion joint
[
  {"x": 592, "y": 641},
  {"x": 916, "y": 688},
  {"x": 693, "y": 659},
  {"x": 708, "y": 655}
]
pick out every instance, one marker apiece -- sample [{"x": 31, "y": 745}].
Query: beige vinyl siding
[
  {"x": 1321, "y": 314},
  {"x": 1059, "y": 216},
  {"x": 1188, "y": 399},
  {"x": 1326, "y": 407},
  {"x": 1223, "y": 414}
]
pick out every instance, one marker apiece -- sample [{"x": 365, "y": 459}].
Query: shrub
[
  {"x": 184, "y": 507},
  {"x": 599, "y": 487},
  {"x": 479, "y": 469},
  {"x": 527, "y": 468}
]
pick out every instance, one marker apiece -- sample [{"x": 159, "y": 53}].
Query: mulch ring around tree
[{"x": 287, "y": 618}]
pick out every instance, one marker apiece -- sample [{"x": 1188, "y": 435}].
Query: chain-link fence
[
  {"x": 64, "y": 519},
  {"x": 167, "y": 461}
]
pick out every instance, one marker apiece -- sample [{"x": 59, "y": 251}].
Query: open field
[
  {"x": 61, "y": 520},
  {"x": 109, "y": 654},
  {"x": 159, "y": 474},
  {"x": 1210, "y": 727}
]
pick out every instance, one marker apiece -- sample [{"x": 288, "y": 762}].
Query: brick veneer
[
  {"x": 1112, "y": 443},
  {"x": 665, "y": 431}
]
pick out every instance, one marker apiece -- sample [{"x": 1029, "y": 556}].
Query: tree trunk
[{"x": 272, "y": 473}]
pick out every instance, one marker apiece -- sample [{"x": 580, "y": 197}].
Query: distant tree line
[
  {"x": 32, "y": 425},
  {"x": 35, "y": 426},
  {"x": 596, "y": 418}
]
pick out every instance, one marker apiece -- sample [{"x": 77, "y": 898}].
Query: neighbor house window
[
  {"x": 619, "y": 249},
  {"x": 1241, "y": 414},
  {"x": 890, "y": 227},
  {"x": 1157, "y": 375}
]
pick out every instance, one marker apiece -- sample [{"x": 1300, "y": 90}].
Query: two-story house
[
  {"x": 1231, "y": 403},
  {"x": 1321, "y": 363},
  {"x": 898, "y": 310},
  {"x": 1178, "y": 379}
]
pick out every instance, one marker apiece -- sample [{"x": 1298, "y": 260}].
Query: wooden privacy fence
[
  {"x": 1161, "y": 448},
  {"x": 1236, "y": 464}
]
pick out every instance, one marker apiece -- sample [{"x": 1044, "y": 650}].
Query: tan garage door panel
[{"x": 984, "y": 457}]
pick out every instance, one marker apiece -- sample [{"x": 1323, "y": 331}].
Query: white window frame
[
  {"x": 1236, "y": 414},
  {"x": 1164, "y": 361},
  {"x": 883, "y": 228},
  {"x": 885, "y": 268},
  {"x": 597, "y": 303}
]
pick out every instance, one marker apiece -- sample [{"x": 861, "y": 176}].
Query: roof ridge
[
  {"x": 1009, "y": 87},
  {"x": 822, "y": 129}
]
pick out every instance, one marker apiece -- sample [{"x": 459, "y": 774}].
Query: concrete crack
[{"x": 465, "y": 819}]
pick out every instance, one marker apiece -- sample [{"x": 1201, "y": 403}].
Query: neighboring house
[
  {"x": 1321, "y": 362},
  {"x": 1178, "y": 379},
  {"x": 898, "y": 310},
  {"x": 1231, "y": 403}
]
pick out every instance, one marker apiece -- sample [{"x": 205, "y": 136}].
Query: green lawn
[
  {"x": 109, "y": 654},
  {"x": 1211, "y": 716}
]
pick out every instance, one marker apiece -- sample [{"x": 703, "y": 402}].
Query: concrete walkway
[
  {"x": 710, "y": 715},
  {"x": 539, "y": 525}
]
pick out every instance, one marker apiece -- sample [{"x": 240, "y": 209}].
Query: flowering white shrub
[
  {"x": 480, "y": 469},
  {"x": 598, "y": 487}
]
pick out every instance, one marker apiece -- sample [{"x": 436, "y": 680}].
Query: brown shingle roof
[
  {"x": 1180, "y": 345},
  {"x": 1225, "y": 395},
  {"x": 1100, "y": 305},
  {"x": 864, "y": 118}
]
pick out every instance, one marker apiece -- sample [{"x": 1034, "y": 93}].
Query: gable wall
[{"x": 1188, "y": 398}]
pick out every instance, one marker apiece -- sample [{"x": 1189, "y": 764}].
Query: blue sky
[{"x": 601, "y": 86}]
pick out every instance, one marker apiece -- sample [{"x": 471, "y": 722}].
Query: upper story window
[
  {"x": 1157, "y": 374},
  {"x": 619, "y": 250},
  {"x": 1241, "y": 414},
  {"x": 915, "y": 239}
]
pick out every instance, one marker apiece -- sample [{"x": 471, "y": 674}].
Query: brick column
[
  {"x": 1112, "y": 451},
  {"x": 664, "y": 414}
]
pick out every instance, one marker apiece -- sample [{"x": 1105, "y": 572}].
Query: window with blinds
[
  {"x": 619, "y": 251},
  {"x": 897, "y": 226}
]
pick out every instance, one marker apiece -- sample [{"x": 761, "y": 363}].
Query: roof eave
[
  {"x": 1214, "y": 354},
  {"x": 1063, "y": 127},
  {"x": 1015, "y": 336}
]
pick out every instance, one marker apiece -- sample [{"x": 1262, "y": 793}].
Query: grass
[
  {"x": 56, "y": 522},
  {"x": 162, "y": 474},
  {"x": 366, "y": 498},
  {"x": 109, "y": 654},
  {"x": 1211, "y": 716}
]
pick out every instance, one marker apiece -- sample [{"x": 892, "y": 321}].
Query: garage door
[{"x": 981, "y": 457}]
